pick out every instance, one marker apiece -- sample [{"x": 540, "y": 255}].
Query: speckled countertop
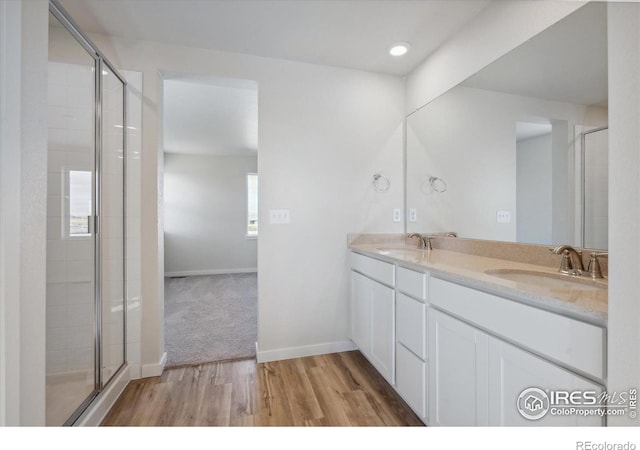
[{"x": 469, "y": 270}]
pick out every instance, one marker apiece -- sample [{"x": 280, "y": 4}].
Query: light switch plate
[
  {"x": 503, "y": 217},
  {"x": 413, "y": 215},
  {"x": 397, "y": 216},
  {"x": 279, "y": 216}
]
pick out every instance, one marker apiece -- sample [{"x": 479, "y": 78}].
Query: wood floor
[{"x": 340, "y": 389}]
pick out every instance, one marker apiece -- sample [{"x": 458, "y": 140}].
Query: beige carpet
[{"x": 210, "y": 318}]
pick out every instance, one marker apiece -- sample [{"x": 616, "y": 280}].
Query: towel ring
[
  {"x": 437, "y": 184},
  {"x": 380, "y": 182}
]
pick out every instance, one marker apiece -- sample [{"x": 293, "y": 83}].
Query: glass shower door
[
  {"x": 71, "y": 239},
  {"x": 86, "y": 304}
]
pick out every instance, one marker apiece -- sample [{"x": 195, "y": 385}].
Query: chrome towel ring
[{"x": 380, "y": 182}]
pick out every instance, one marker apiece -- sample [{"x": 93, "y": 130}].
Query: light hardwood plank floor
[{"x": 340, "y": 389}]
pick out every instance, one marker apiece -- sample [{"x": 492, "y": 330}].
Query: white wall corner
[
  {"x": 155, "y": 369},
  {"x": 302, "y": 351}
]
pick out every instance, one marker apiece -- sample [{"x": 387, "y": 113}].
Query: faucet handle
[
  {"x": 594, "y": 265},
  {"x": 566, "y": 265}
]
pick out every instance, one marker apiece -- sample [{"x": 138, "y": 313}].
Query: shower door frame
[
  {"x": 583, "y": 177},
  {"x": 99, "y": 61}
]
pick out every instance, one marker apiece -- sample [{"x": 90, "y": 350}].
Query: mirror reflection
[{"x": 518, "y": 152}]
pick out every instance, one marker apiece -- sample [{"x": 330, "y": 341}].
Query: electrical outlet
[
  {"x": 503, "y": 217},
  {"x": 397, "y": 216},
  {"x": 279, "y": 216},
  {"x": 413, "y": 215}
]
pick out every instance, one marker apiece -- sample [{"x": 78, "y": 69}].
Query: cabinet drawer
[
  {"x": 412, "y": 282},
  {"x": 565, "y": 340},
  {"x": 411, "y": 380},
  {"x": 411, "y": 324},
  {"x": 378, "y": 270}
]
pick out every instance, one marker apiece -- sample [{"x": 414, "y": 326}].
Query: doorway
[{"x": 210, "y": 144}]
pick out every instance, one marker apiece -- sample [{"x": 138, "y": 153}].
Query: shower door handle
[{"x": 93, "y": 224}]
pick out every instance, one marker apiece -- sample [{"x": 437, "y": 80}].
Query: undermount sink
[
  {"x": 547, "y": 280},
  {"x": 401, "y": 251}
]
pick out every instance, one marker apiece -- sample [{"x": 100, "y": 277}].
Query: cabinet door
[
  {"x": 458, "y": 369},
  {"x": 361, "y": 312},
  {"x": 383, "y": 329},
  {"x": 512, "y": 370}
]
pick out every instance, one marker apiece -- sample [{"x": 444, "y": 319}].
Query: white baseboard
[
  {"x": 153, "y": 370},
  {"x": 306, "y": 350},
  {"x": 189, "y": 273},
  {"x": 98, "y": 409}
]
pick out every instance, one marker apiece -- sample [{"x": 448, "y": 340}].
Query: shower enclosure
[{"x": 86, "y": 304}]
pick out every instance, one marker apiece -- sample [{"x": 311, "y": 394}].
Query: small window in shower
[
  {"x": 252, "y": 205},
  {"x": 80, "y": 194}
]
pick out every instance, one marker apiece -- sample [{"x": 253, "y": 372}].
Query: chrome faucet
[
  {"x": 424, "y": 241},
  {"x": 571, "y": 262}
]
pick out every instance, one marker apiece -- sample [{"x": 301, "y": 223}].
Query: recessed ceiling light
[{"x": 399, "y": 48}]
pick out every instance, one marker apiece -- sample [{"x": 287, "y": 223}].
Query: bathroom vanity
[{"x": 461, "y": 336}]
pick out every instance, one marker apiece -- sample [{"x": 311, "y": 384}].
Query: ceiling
[
  {"x": 345, "y": 33},
  {"x": 567, "y": 62},
  {"x": 209, "y": 116}
]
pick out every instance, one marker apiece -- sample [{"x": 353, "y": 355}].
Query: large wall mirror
[{"x": 519, "y": 151}]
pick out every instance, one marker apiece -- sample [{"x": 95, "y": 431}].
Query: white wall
[
  {"x": 23, "y": 233},
  {"x": 323, "y": 132},
  {"x": 533, "y": 189},
  {"x": 205, "y": 215},
  {"x": 10, "y": 102},
  {"x": 624, "y": 208},
  {"x": 133, "y": 214},
  {"x": 467, "y": 137},
  {"x": 499, "y": 28}
]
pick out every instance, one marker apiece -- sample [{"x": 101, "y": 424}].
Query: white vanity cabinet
[
  {"x": 373, "y": 312},
  {"x": 476, "y": 377},
  {"x": 460, "y": 356}
]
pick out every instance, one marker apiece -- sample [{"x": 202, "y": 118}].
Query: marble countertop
[{"x": 469, "y": 270}]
